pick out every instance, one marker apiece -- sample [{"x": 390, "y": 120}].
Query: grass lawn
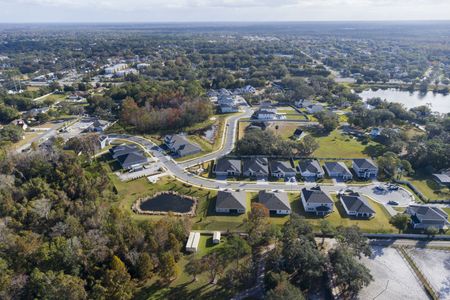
[
  {"x": 428, "y": 187},
  {"x": 53, "y": 98},
  {"x": 337, "y": 145},
  {"x": 28, "y": 137}
]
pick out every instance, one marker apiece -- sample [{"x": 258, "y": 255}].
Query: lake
[{"x": 439, "y": 102}]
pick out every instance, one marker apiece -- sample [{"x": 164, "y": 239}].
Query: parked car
[
  {"x": 393, "y": 187},
  {"x": 393, "y": 202}
]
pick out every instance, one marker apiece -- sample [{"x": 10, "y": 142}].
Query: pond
[
  {"x": 168, "y": 201},
  {"x": 437, "y": 102}
]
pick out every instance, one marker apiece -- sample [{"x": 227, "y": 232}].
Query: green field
[
  {"x": 428, "y": 187},
  {"x": 337, "y": 145}
]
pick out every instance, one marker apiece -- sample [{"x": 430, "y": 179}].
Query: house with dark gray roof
[
  {"x": 310, "y": 169},
  {"x": 338, "y": 170},
  {"x": 298, "y": 133},
  {"x": 442, "y": 178},
  {"x": 130, "y": 157},
  {"x": 316, "y": 201},
  {"x": 132, "y": 161},
  {"x": 365, "y": 168},
  {"x": 423, "y": 217},
  {"x": 357, "y": 206},
  {"x": 276, "y": 202},
  {"x": 225, "y": 167},
  {"x": 231, "y": 202},
  {"x": 256, "y": 167},
  {"x": 180, "y": 146},
  {"x": 282, "y": 169},
  {"x": 119, "y": 150}
]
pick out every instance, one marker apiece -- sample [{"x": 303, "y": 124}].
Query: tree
[
  {"x": 431, "y": 231},
  {"x": 400, "y": 221},
  {"x": 236, "y": 248},
  {"x": 352, "y": 238},
  {"x": 214, "y": 263},
  {"x": 328, "y": 119},
  {"x": 194, "y": 267},
  {"x": 307, "y": 146},
  {"x": 351, "y": 275},
  {"x": 284, "y": 290},
  {"x": 144, "y": 266},
  {"x": 11, "y": 133},
  {"x": 326, "y": 229},
  {"x": 117, "y": 281},
  {"x": 168, "y": 269},
  {"x": 257, "y": 224},
  {"x": 55, "y": 285},
  {"x": 8, "y": 113}
]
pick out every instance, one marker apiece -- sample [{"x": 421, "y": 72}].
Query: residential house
[
  {"x": 310, "y": 169},
  {"x": 442, "y": 178},
  {"x": 357, "y": 206},
  {"x": 103, "y": 141},
  {"x": 228, "y": 108},
  {"x": 264, "y": 114},
  {"x": 132, "y": 161},
  {"x": 231, "y": 202},
  {"x": 276, "y": 202},
  {"x": 20, "y": 123},
  {"x": 338, "y": 170},
  {"x": 130, "y": 157},
  {"x": 98, "y": 126},
  {"x": 365, "y": 168},
  {"x": 225, "y": 167},
  {"x": 375, "y": 132},
  {"x": 180, "y": 146},
  {"x": 282, "y": 169},
  {"x": 316, "y": 201},
  {"x": 297, "y": 134},
  {"x": 302, "y": 103},
  {"x": 192, "y": 242},
  {"x": 423, "y": 217},
  {"x": 315, "y": 108},
  {"x": 114, "y": 69},
  {"x": 256, "y": 167}
]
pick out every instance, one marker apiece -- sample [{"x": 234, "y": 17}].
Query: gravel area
[
  {"x": 393, "y": 278},
  {"x": 435, "y": 266}
]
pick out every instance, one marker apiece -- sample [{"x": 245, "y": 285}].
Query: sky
[{"x": 30, "y": 11}]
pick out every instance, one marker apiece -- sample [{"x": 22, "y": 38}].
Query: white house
[
  {"x": 193, "y": 241},
  {"x": 114, "y": 69},
  {"x": 315, "y": 201},
  {"x": 365, "y": 168},
  {"x": 216, "y": 237}
]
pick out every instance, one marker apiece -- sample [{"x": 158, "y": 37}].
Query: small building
[
  {"x": 365, "y": 168},
  {"x": 282, "y": 169},
  {"x": 276, "y": 202},
  {"x": 442, "y": 178},
  {"x": 338, "y": 170},
  {"x": 216, "y": 237},
  {"x": 423, "y": 217},
  {"x": 357, "y": 206},
  {"x": 228, "y": 108},
  {"x": 20, "y": 123},
  {"x": 265, "y": 114},
  {"x": 228, "y": 167},
  {"x": 315, "y": 108},
  {"x": 297, "y": 134},
  {"x": 132, "y": 161},
  {"x": 192, "y": 242},
  {"x": 256, "y": 167},
  {"x": 310, "y": 169},
  {"x": 180, "y": 146},
  {"x": 231, "y": 202},
  {"x": 315, "y": 201}
]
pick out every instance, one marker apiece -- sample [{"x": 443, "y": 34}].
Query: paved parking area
[
  {"x": 393, "y": 278},
  {"x": 435, "y": 266},
  {"x": 402, "y": 196}
]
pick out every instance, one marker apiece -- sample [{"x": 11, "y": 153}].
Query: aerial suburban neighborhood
[{"x": 224, "y": 160}]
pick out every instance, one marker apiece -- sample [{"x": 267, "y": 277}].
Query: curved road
[{"x": 178, "y": 170}]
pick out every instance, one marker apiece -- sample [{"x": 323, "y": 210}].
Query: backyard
[{"x": 337, "y": 145}]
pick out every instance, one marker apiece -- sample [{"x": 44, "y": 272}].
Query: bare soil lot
[
  {"x": 435, "y": 265},
  {"x": 393, "y": 278}
]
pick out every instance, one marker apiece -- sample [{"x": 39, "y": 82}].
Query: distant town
[{"x": 241, "y": 163}]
